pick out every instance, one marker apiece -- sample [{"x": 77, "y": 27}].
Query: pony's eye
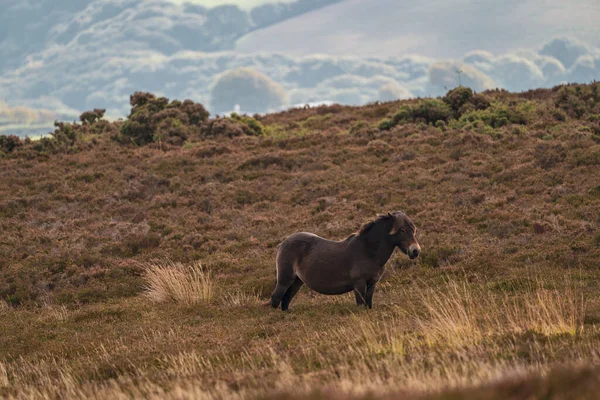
[{"x": 403, "y": 230}]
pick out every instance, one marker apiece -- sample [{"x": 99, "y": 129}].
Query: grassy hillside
[{"x": 504, "y": 189}]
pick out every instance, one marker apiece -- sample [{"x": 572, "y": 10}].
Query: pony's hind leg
[
  {"x": 290, "y": 293},
  {"x": 279, "y": 292},
  {"x": 285, "y": 279}
]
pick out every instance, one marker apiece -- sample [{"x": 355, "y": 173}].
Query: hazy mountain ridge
[
  {"x": 164, "y": 48},
  {"x": 27, "y": 27}
]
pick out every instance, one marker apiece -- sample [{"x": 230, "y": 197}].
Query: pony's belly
[
  {"x": 334, "y": 292},
  {"x": 329, "y": 288}
]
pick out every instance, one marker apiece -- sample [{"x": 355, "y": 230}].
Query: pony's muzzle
[{"x": 413, "y": 251}]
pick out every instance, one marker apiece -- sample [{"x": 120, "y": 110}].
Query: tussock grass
[
  {"x": 460, "y": 313},
  {"x": 3, "y": 376},
  {"x": 168, "y": 281},
  {"x": 240, "y": 298},
  {"x": 547, "y": 312},
  {"x": 59, "y": 313}
]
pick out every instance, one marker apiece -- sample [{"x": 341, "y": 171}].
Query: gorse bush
[
  {"x": 438, "y": 112},
  {"x": 9, "y": 143},
  {"x": 65, "y": 139},
  {"x": 429, "y": 111},
  {"x": 233, "y": 126},
  {"x": 90, "y": 117},
  {"x": 254, "y": 128},
  {"x": 155, "y": 119},
  {"x": 458, "y": 97},
  {"x": 496, "y": 116},
  {"x": 579, "y": 100}
]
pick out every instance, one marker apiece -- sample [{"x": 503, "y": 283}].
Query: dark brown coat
[{"x": 331, "y": 267}]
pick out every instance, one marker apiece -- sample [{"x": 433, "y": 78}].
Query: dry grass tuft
[
  {"x": 4, "y": 382},
  {"x": 57, "y": 313},
  {"x": 241, "y": 298},
  {"x": 452, "y": 314},
  {"x": 460, "y": 313},
  {"x": 168, "y": 281},
  {"x": 547, "y": 312}
]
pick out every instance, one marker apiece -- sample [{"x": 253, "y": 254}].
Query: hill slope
[
  {"x": 504, "y": 189},
  {"x": 432, "y": 28}
]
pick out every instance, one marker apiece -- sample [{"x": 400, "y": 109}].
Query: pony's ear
[{"x": 395, "y": 226}]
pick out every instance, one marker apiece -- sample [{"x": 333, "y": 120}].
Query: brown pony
[{"x": 331, "y": 267}]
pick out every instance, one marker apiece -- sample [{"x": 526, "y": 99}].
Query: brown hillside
[{"x": 504, "y": 188}]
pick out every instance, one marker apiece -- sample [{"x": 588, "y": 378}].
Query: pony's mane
[
  {"x": 366, "y": 227},
  {"x": 397, "y": 217}
]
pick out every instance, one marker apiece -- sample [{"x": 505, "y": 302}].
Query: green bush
[
  {"x": 9, "y": 143},
  {"x": 232, "y": 126},
  {"x": 90, "y": 117},
  {"x": 253, "y": 127},
  {"x": 404, "y": 114},
  {"x": 578, "y": 100},
  {"x": 428, "y": 111},
  {"x": 154, "y": 119},
  {"x": 496, "y": 116},
  {"x": 458, "y": 97},
  {"x": 387, "y": 124}
]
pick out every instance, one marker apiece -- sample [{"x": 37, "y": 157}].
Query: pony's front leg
[
  {"x": 360, "y": 292},
  {"x": 369, "y": 296}
]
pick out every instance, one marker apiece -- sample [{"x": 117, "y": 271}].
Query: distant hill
[
  {"x": 70, "y": 56},
  {"x": 30, "y": 26},
  {"x": 433, "y": 28}
]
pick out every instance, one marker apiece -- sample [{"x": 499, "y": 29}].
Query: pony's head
[
  {"x": 398, "y": 230},
  {"x": 403, "y": 233}
]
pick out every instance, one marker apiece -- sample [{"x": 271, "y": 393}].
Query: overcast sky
[
  {"x": 60, "y": 55},
  {"x": 434, "y": 28},
  {"x": 245, "y": 4}
]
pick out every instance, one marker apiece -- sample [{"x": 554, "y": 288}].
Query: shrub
[
  {"x": 404, "y": 114},
  {"x": 458, "y": 97},
  {"x": 477, "y": 102},
  {"x": 196, "y": 112},
  {"x": 223, "y": 127},
  {"x": 235, "y": 125},
  {"x": 154, "y": 119},
  {"x": 496, "y": 116},
  {"x": 171, "y": 126},
  {"x": 429, "y": 111},
  {"x": 387, "y": 124},
  {"x": 254, "y": 127},
  {"x": 65, "y": 138},
  {"x": 379, "y": 147},
  {"x": 579, "y": 100},
  {"x": 90, "y": 117},
  {"x": 358, "y": 127},
  {"x": 547, "y": 155},
  {"x": 9, "y": 143}
]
